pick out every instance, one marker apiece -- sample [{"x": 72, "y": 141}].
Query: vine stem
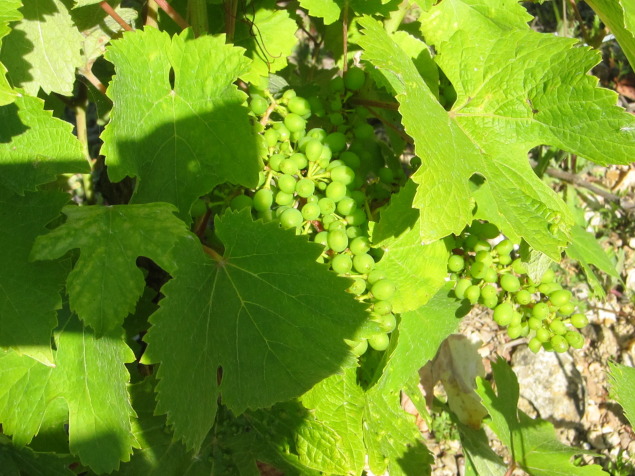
[
  {"x": 115, "y": 16},
  {"x": 575, "y": 180},
  {"x": 231, "y": 10},
  {"x": 152, "y": 14},
  {"x": 345, "y": 39},
  {"x": 380, "y": 104},
  {"x": 172, "y": 13},
  {"x": 94, "y": 80},
  {"x": 214, "y": 254}
]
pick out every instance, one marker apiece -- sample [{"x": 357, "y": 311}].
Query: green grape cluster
[
  {"x": 495, "y": 277},
  {"x": 324, "y": 182}
]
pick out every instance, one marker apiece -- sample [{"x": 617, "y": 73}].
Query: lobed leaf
[
  {"x": 622, "y": 386},
  {"x": 619, "y": 16},
  {"x": 9, "y": 12}
]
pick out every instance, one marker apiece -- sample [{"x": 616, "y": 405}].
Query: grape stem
[
  {"x": 214, "y": 254},
  {"x": 172, "y": 13},
  {"x": 115, "y": 16}
]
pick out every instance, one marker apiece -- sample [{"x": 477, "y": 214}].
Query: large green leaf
[
  {"x": 29, "y": 292},
  {"x": 8, "y": 13},
  {"x": 331, "y": 10},
  {"x": 623, "y": 388},
  {"x": 533, "y": 443},
  {"x": 180, "y": 140},
  {"x": 267, "y": 313},
  {"x": 91, "y": 377},
  {"x": 17, "y": 461},
  {"x": 619, "y": 16},
  {"x": 44, "y": 48},
  {"x": 35, "y": 147},
  {"x": 106, "y": 283}
]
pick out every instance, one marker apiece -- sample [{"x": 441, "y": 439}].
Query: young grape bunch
[{"x": 494, "y": 276}]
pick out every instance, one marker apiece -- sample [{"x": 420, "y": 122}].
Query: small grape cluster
[
  {"x": 316, "y": 181},
  {"x": 497, "y": 278}
]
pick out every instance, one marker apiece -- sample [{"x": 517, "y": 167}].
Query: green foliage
[
  {"x": 209, "y": 268},
  {"x": 622, "y": 385}
]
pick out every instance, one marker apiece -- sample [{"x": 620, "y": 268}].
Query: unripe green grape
[
  {"x": 519, "y": 267},
  {"x": 575, "y": 339},
  {"x": 534, "y": 323},
  {"x": 375, "y": 275},
  {"x": 346, "y": 206},
  {"x": 337, "y": 225},
  {"x": 558, "y": 327},
  {"x": 289, "y": 167},
  {"x": 509, "y": 283},
  {"x": 354, "y": 232},
  {"x": 288, "y": 94},
  {"x": 514, "y": 331},
  {"x": 361, "y": 348},
  {"x": 334, "y": 163},
  {"x": 272, "y": 137},
  {"x": 258, "y": 105},
  {"x": 560, "y": 297},
  {"x": 504, "y": 260},
  {"x": 325, "y": 156},
  {"x": 364, "y": 131},
  {"x": 336, "y": 141},
  {"x": 240, "y": 201},
  {"x": 322, "y": 238},
  {"x": 327, "y": 206},
  {"x": 343, "y": 174},
  {"x": 456, "y": 263},
  {"x": 359, "y": 245},
  {"x": 485, "y": 231},
  {"x": 478, "y": 270},
  {"x": 354, "y": 79},
  {"x": 548, "y": 276},
  {"x": 305, "y": 187},
  {"x": 470, "y": 242},
  {"x": 311, "y": 211},
  {"x": 317, "y": 108},
  {"x": 491, "y": 275},
  {"x": 265, "y": 215},
  {"x": 287, "y": 183},
  {"x": 415, "y": 163},
  {"x": 523, "y": 297},
  {"x": 489, "y": 291},
  {"x": 297, "y": 136},
  {"x": 313, "y": 199},
  {"x": 535, "y": 345},
  {"x": 281, "y": 209},
  {"x": 300, "y": 160},
  {"x": 379, "y": 342},
  {"x": 461, "y": 286},
  {"x": 328, "y": 219},
  {"x": 299, "y": 106},
  {"x": 351, "y": 159},
  {"x": 473, "y": 293},
  {"x": 275, "y": 161},
  {"x": 358, "y": 286},
  {"x": 482, "y": 246},
  {"x": 505, "y": 247},
  {"x": 336, "y": 85},
  {"x": 363, "y": 263},
  {"x": 317, "y": 133},
  {"x": 263, "y": 199},
  {"x": 387, "y": 322},
  {"x": 337, "y": 240},
  {"x": 386, "y": 175},
  {"x": 357, "y": 218},
  {"x": 579, "y": 320},
  {"x": 484, "y": 257},
  {"x": 540, "y": 311},
  {"x": 313, "y": 150},
  {"x": 342, "y": 263},
  {"x": 559, "y": 344},
  {"x": 543, "y": 335},
  {"x": 382, "y": 307},
  {"x": 490, "y": 302},
  {"x": 566, "y": 309},
  {"x": 383, "y": 289},
  {"x": 336, "y": 191},
  {"x": 336, "y": 118},
  {"x": 284, "y": 198},
  {"x": 294, "y": 122},
  {"x": 517, "y": 318},
  {"x": 335, "y": 104},
  {"x": 198, "y": 208},
  {"x": 291, "y": 218},
  {"x": 504, "y": 313}
]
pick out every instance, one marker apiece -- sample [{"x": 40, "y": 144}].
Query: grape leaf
[
  {"x": 397, "y": 217},
  {"x": 180, "y": 140},
  {"x": 623, "y": 388},
  {"x": 29, "y": 292},
  {"x": 43, "y": 49},
  {"x": 330, "y": 10},
  {"x": 16, "y": 461},
  {"x": 619, "y": 16},
  {"x": 105, "y": 283},
  {"x": 419, "y": 335},
  {"x": 267, "y": 313},
  {"x": 91, "y": 377},
  {"x": 35, "y": 147},
  {"x": 475, "y": 445},
  {"x": 85, "y": 3},
  {"x": 8, "y": 13},
  {"x": 269, "y": 39},
  {"x": 533, "y": 443}
]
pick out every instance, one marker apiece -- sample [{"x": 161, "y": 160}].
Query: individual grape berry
[
  {"x": 313, "y": 150},
  {"x": 311, "y": 211},
  {"x": 579, "y": 320},
  {"x": 351, "y": 159},
  {"x": 289, "y": 167},
  {"x": 559, "y": 344},
  {"x": 566, "y": 309},
  {"x": 534, "y": 323},
  {"x": 478, "y": 270},
  {"x": 548, "y": 288},
  {"x": 535, "y": 345},
  {"x": 382, "y": 307},
  {"x": 461, "y": 286},
  {"x": 363, "y": 263},
  {"x": 287, "y": 183},
  {"x": 336, "y": 224},
  {"x": 336, "y": 141},
  {"x": 291, "y": 218},
  {"x": 523, "y": 297},
  {"x": 336, "y": 85},
  {"x": 519, "y": 267},
  {"x": 275, "y": 161},
  {"x": 354, "y": 79},
  {"x": 317, "y": 133},
  {"x": 263, "y": 199},
  {"x": 482, "y": 246},
  {"x": 383, "y": 289},
  {"x": 322, "y": 238},
  {"x": 299, "y": 106},
  {"x": 337, "y": 240},
  {"x": 470, "y": 242},
  {"x": 489, "y": 292},
  {"x": 490, "y": 302},
  {"x": 327, "y": 206},
  {"x": 484, "y": 256},
  {"x": 473, "y": 293},
  {"x": 357, "y": 218},
  {"x": 240, "y": 201},
  {"x": 504, "y": 260},
  {"x": 514, "y": 331},
  {"x": 305, "y": 187},
  {"x": 560, "y": 297},
  {"x": 294, "y": 122},
  {"x": 361, "y": 348},
  {"x": 281, "y": 209},
  {"x": 484, "y": 230},
  {"x": 505, "y": 247},
  {"x": 346, "y": 206},
  {"x": 504, "y": 313},
  {"x": 198, "y": 208},
  {"x": 342, "y": 263},
  {"x": 354, "y": 231},
  {"x": 379, "y": 342},
  {"x": 491, "y": 275},
  {"x": 548, "y": 276},
  {"x": 387, "y": 322},
  {"x": 509, "y": 283},
  {"x": 540, "y": 311},
  {"x": 284, "y": 198},
  {"x": 358, "y": 286},
  {"x": 258, "y": 105},
  {"x": 343, "y": 174},
  {"x": 575, "y": 339},
  {"x": 543, "y": 335},
  {"x": 386, "y": 175},
  {"x": 558, "y": 327},
  {"x": 456, "y": 263},
  {"x": 300, "y": 160},
  {"x": 360, "y": 245},
  {"x": 336, "y": 191}
]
